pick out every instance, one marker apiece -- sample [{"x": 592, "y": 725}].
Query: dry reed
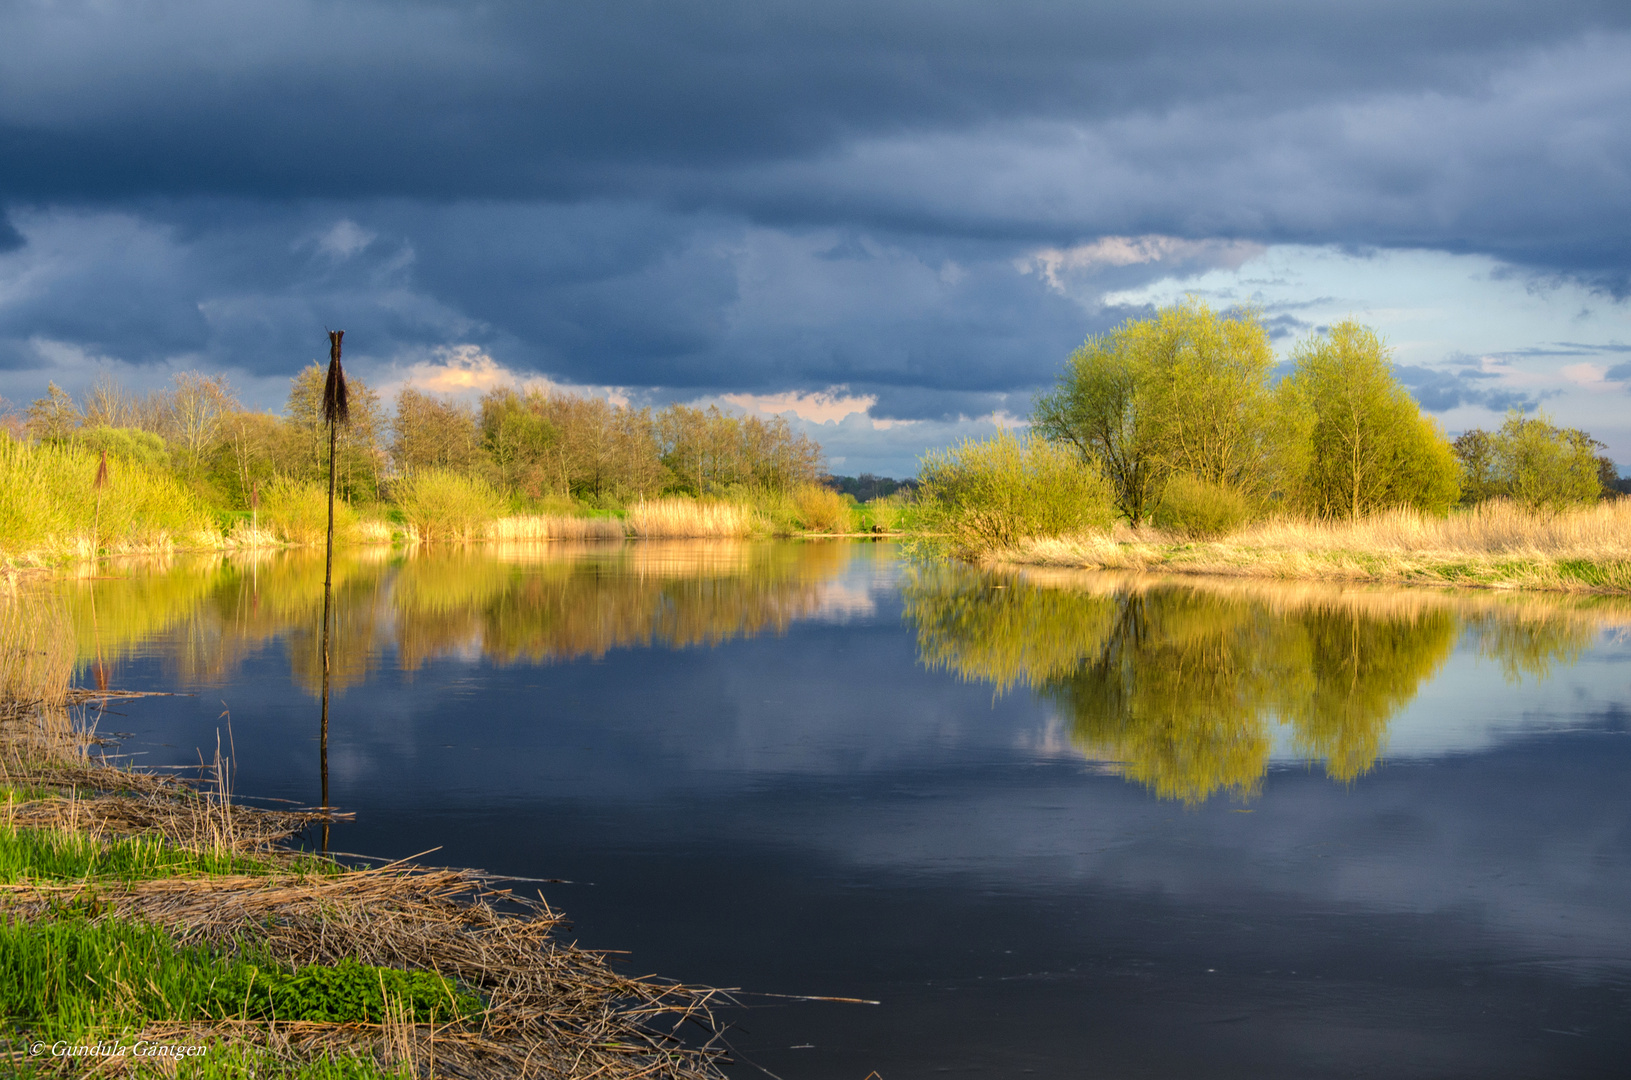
[
  {"x": 1497, "y": 545},
  {"x": 683, "y": 518},
  {"x": 522, "y": 527}
]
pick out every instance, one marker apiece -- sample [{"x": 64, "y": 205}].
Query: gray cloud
[
  {"x": 699, "y": 198},
  {"x": 1439, "y": 390}
]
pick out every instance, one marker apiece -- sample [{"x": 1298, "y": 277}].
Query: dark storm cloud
[
  {"x": 1476, "y": 126},
  {"x": 699, "y": 198}
]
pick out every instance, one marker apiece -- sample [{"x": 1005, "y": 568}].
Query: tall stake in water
[
  {"x": 99, "y": 483},
  {"x": 335, "y": 413}
]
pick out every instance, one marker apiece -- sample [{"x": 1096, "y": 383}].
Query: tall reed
[
  {"x": 520, "y": 527},
  {"x": 679, "y": 518}
]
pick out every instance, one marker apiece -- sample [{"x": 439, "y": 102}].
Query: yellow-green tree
[
  {"x": 1370, "y": 448},
  {"x": 1185, "y": 393}
]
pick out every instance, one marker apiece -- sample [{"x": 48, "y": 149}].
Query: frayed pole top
[{"x": 335, "y": 410}]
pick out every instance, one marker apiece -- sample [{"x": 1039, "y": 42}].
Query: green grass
[
  {"x": 72, "y": 974},
  {"x": 42, "y": 854},
  {"x": 53, "y": 507}
]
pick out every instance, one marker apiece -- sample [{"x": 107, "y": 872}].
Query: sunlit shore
[{"x": 1495, "y": 546}]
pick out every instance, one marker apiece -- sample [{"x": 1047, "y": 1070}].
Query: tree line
[
  {"x": 1182, "y": 410},
  {"x": 531, "y": 444}
]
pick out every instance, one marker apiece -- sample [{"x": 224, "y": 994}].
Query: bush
[
  {"x": 991, "y": 493},
  {"x": 1200, "y": 508},
  {"x": 821, "y": 509},
  {"x": 443, "y": 505},
  {"x": 297, "y": 513}
]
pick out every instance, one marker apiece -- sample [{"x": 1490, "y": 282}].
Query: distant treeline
[
  {"x": 531, "y": 445},
  {"x": 866, "y": 487}
]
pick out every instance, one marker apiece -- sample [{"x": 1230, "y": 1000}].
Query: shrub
[
  {"x": 443, "y": 505},
  {"x": 1200, "y": 508},
  {"x": 297, "y": 513},
  {"x": 821, "y": 509},
  {"x": 988, "y": 494}
]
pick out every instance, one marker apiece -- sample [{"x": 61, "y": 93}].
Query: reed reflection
[
  {"x": 510, "y": 604},
  {"x": 1180, "y": 683}
]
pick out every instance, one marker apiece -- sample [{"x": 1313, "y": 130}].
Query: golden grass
[
  {"x": 1497, "y": 545},
  {"x": 682, "y": 518},
  {"x": 523, "y": 527}
]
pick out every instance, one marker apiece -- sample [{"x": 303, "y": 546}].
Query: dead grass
[
  {"x": 554, "y": 527},
  {"x": 683, "y": 518},
  {"x": 1498, "y": 545}
]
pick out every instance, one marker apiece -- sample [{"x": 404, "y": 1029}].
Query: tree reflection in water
[
  {"x": 1179, "y": 682},
  {"x": 528, "y": 603}
]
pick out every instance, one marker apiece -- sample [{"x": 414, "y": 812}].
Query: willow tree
[
  {"x": 1371, "y": 448},
  {"x": 1186, "y": 393}
]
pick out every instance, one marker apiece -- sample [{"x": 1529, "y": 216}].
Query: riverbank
[
  {"x": 165, "y": 928},
  {"x": 1495, "y": 546}
]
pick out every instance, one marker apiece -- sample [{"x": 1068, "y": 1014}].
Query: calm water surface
[{"x": 1078, "y": 825}]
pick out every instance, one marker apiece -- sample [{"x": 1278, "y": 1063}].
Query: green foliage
[
  {"x": 297, "y": 512},
  {"x": 1370, "y": 446},
  {"x": 360, "y": 455},
  {"x": 1534, "y": 462},
  {"x": 125, "y": 444},
  {"x": 51, "y": 503},
  {"x": 1184, "y": 392},
  {"x": 1202, "y": 509},
  {"x": 519, "y": 441},
  {"x": 991, "y": 493},
  {"x": 48, "y": 853},
  {"x": 67, "y": 971},
  {"x": 444, "y": 505},
  {"x": 343, "y": 993}
]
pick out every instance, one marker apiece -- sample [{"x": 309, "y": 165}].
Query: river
[{"x": 1062, "y": 825}]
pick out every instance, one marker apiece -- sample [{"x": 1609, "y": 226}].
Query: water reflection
[
  {"x": 1181, "y": 684},
  {"x": 505, "y": 604}
]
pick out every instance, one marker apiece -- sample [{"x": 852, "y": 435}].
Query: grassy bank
[
  {"x": 61, "y": 506},
  {"x": 1494, "y": 545},
  {"x": 166, "y": 928}
]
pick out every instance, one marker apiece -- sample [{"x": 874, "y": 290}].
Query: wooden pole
[{"x": 335, "y": 412}]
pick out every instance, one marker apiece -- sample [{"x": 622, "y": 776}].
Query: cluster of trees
[
  {"x": 532, "y": 444},
  {"x": 1183, "y": 417},
  {"x": 1534, "y": 462}
]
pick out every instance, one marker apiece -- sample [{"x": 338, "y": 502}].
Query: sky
[{"x": 890, "y": 221}]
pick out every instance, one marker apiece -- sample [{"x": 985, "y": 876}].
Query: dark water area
[{"x": 1066, "y": 825}]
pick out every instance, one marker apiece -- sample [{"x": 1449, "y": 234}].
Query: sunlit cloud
[{"x": 1056, "y": 265}]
